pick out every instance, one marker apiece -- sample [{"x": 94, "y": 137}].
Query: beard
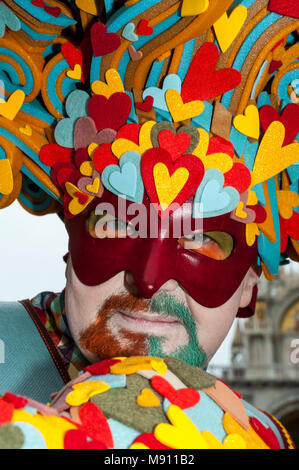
[{"x": 106, "y": 341}]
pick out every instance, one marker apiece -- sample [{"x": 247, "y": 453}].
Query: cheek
[{"x": 213, "y": 324}]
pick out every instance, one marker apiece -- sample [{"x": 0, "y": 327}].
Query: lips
[
  {"x": 144, "y": 322},
  {"x": 145, "y": 317}
]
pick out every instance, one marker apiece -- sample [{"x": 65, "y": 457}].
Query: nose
[{"x": 153, "y": 269}]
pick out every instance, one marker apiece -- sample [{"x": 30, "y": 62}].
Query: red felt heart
[
  {"x": 220, "y": 145},
  {"x": 61, "y": 173},
  {"x": 72, "y": 55},
  {"x": 202, "y": 81},
  {"x": 77, "y": 439},
  {"x": 82, "y": 198},
  {"x": 288, "y": 228},
  {"x": 176, "y": 145},
  {"x": 285, "y": 7},
  {"x": 110, "y": 113},
  {"x": 95, "y": 424},
  {"x": 238, "y": 177},
  {"x": 184, "y": 398},
  {"x": 101, "y": 368},
  {"x": 102, "y": 42},
  {"x": 149, "y": 440},
  {"x": 103, "y": 157},
  {"x": 81, "y": 155},
  {"x": 260, "y": 213},
  {"x": 53, "y": 11},
  {"x": 144, "y": 29},
  {"x": 289, "y": 118},
  {"x": 38, "y": 3},
  {"x": 6, "y": 411},
  {"x": 146, "y": 105},
  {"x": 158, "y": 155},
  {"x": 266, "y": 434},
  {"x": 17, "y": 401},
  {"x": 130, "y": 132},
  {"x": 54, "y": 153},
  {"x": 275, "y": 65}
]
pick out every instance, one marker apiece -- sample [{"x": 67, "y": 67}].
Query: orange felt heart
[{"x": 184, "y": 398}]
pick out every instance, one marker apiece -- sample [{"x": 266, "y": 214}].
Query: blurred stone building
[{"x": 265, "y": 352}]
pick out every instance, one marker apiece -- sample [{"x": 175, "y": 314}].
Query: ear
[{"x": 250, "y": 281}]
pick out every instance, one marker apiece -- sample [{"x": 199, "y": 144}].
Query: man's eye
[
  {"x": 215, "y": 245},
  {"x": 106, "y": 225}
]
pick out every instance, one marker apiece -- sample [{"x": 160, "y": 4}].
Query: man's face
[{"x": 109, "y": 320}]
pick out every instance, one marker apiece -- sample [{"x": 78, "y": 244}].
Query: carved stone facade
[{"x": 265, "y": 352}]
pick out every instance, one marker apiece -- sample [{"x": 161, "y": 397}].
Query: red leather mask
[{"x": 153, "y": 261}]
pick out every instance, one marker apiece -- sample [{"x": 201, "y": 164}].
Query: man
[{"x": 212, "y": 208}]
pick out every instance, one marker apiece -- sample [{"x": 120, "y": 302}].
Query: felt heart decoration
[
  {"x": 212, "y": 199},
  {"x": 135, "y": 55},
  {"x": 146, "y": 105},
  {"x": 272, "y": 144},
  {"x": 243, "y": 214},
  {"x": 9, "y": 19},
  {"x": 77, "y": 439},
  {"x": 189, "y": 163},
  {"x": 189, "y": 131},
  {"x": 113, "y": 84},
  {"x": 61, "y": 173},
  {"x": 285, "y": 7},
  {"x": 54, "y": 153},
  {"x": 103, "y": 157},
  {"x": 17, "y": 400},
  {"x": 78, "y": 201},
  {"x": 125, "y": 179},
  {"x": 192, "y": 8},
  {"x": 171, "y": 82},
  {"x": 175, "y": 145},
  {"x": 180, "y": 110},
  {"x": 72, "y": 55},
  {"x": 95, "y": 424},
  {"x": 289, "y": 227},
  {"x": 144, "y": 29},
  {"x": 265, "y": 433},
  {"x": 102, "y": 42},
  {"x": 86, "y": 133},
  {"x": 27, "y": 130},
  {"x": 110, "y": 113},
  {"x": 148, "y": 398},
  {"x": 129, "y": 33},
  {"x": 91, "y": 186},
  {"x": 75, "y": 73},
  {"x": 275, "y": 65},
  {"x": 6, "y": 411},
  {"x": 149, "y": 440},
  {"x": 10, "y": 108},
  {"x": 184, "y": 398},
  {"x": 227, "y": 28},
  {"x": 249, "y": 124},
  {"x": 121, "y": 146},
  {"x": 101, "y": 368},
  {"x": 238, "y": 177},
  {"x": 130, "y": 132},
  {"x": 220, "y": 145},
  {"x": 202, "y": 82},
  {"x": 289, "y": 118},
  {"x": 6, "y": 177}
]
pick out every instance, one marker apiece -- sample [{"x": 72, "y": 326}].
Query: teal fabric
[{"x": 27, "y": 367}]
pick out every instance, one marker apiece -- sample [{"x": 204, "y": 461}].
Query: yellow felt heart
[
  {"x": 181, "y": 434},
  {"x": 203, "y": 145},
  {"x": 133, "y": 364},
  {"x": 286, "y": 200},
  {"x": 75, "y": 73},
  {"x": 91, "y": 148},
  {"x": 87, "y": 168},
  {"x": 249, "y": 124},
  {"x": 252, "y": 231},
  {"x": 121, "y": 146},
  {"x": 113, "y": 84},
  {"x": 75, "y": 206},
  {"x": 94, "y": 187},
  {"x": 83, "y": 391},
  {"x": 89, "y": 6},
  {"x": 227, "y": 27},
  {"x": 251, "y": 438},
  {"x": 240, "y": 211},
  {"x": 181, "y": 111},
  {"x": 6, "y": 177},
  {"x": 26, "y": 130},
  {"x": 159, "y": 366},
  {"x": 232, "y": 441},
  {"x": 148, "y": 398},
  {"x": 194, "y": 7},
  {"x": 10, "y": 108},
  {"x": 168, "y": 187},
  {"x": 272, "y": 157},
  {"x": 220, "y": 161}
]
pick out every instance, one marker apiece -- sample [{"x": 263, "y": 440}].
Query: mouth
[{"x": 143, "y": 322}]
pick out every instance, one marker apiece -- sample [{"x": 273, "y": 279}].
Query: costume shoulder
[
  {"x": 146, "y": 403},
  {"x": 26, "y": 364}
]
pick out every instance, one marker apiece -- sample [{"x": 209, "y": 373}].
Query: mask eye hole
[
  {"x": 105, "y": 225},
  {"x": 216, "y": 245}
]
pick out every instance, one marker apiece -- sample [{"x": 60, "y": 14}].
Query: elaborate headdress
[{"x": 164, "y": 100}]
